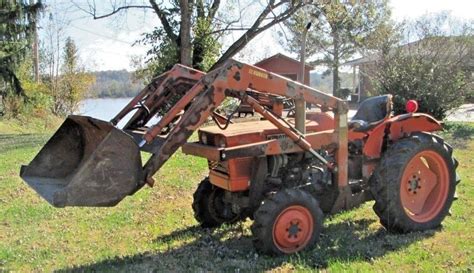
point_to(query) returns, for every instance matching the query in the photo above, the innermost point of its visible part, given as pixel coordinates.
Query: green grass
(155, 229)
(29, 124)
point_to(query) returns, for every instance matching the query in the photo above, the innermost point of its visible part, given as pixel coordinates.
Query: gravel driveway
(463, 113)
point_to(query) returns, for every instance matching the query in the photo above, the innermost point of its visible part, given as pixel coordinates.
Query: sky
(106, 44)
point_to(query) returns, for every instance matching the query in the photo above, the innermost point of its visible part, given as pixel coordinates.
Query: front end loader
(266, 169)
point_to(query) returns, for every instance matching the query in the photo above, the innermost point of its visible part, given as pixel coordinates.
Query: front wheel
(287, 222)
(414, 184)
(209, 207)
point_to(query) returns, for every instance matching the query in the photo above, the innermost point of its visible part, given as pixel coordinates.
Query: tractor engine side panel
(232, 175)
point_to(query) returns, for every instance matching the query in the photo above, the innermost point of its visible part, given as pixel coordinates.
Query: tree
(340, 29)
(51, 58)
(17, 24)
(431, 63)
(190, 29)
(114, 83)
(74, 81)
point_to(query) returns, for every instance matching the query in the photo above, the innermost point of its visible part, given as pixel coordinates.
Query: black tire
(387, 190)
(271, 210)
(209, 209)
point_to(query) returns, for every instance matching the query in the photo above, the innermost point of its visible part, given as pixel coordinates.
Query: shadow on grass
(10, 142)
(230, 249)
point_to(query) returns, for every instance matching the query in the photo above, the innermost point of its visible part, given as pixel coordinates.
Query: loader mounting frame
(206, 93)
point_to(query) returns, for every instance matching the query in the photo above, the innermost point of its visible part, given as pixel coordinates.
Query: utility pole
(35, 46)
(300, 104)
(36, 54)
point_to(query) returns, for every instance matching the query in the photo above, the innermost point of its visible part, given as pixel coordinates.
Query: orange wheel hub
(425, 185)
(293, 229)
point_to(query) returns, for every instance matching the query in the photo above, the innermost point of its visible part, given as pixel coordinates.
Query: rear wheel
(287, 222)
(414, 184)
(209, 207)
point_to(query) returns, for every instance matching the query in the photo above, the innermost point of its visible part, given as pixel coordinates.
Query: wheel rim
(425, 185)
(293, 229)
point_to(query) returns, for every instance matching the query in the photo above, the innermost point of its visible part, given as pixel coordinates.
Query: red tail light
(411, 106)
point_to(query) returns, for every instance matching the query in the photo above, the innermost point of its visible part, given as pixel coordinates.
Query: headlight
(222, 142)
(204, 139)
(219, 141)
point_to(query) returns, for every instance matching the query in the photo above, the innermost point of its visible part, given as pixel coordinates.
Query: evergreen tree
(339, 29)
(74, 81)
(17, 26)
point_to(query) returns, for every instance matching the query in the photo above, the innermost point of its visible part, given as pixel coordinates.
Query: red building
(285, 66)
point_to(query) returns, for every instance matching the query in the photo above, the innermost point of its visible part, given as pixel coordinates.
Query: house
(447, 48)
(363, 86)
(285, 66)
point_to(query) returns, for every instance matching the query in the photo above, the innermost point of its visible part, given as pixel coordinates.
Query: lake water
(104, 109)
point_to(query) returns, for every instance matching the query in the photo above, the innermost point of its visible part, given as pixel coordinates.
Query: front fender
(398, 127)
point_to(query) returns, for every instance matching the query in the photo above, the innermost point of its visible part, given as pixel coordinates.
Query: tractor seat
(371, 112)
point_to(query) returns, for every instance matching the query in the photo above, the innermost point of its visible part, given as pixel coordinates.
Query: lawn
(155, 228)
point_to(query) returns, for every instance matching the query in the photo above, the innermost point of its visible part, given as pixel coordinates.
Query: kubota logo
(258, 73)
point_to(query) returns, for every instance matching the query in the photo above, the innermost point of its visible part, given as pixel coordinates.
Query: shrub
(435, 70)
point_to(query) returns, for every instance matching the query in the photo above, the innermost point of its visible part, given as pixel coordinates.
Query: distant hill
(120, 83)
(115, 84)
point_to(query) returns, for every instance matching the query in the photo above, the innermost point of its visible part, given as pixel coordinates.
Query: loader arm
(156, 96)
(89, 162)
(235, 79)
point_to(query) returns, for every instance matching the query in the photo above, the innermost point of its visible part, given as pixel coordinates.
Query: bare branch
(92, 10)
(213, 10)
(228, 28)
(164, 21)
(255, 29)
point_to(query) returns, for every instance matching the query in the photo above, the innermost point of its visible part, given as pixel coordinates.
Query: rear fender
(398, 127)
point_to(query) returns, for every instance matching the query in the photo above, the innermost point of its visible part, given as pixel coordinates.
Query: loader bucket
(87, 162)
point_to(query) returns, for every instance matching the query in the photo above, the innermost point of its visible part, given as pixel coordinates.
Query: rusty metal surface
(150, 88)
(173, 112)
(193, 117)
(210, 90)
(293, 134)
(201, 150)
(157, 95)
(264, 127)
(282, 145)
(397, 127)
(150, 147)
(240, 76)
(87, 162)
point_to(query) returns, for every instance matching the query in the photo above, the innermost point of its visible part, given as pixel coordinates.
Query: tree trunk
(185, 33)
(335, 68)
(10, 76)
(335, 78)
(235, 48)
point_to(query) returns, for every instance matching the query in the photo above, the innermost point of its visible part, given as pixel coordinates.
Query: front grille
(218, 166)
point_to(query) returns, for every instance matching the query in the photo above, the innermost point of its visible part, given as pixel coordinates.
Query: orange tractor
(284, 173)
